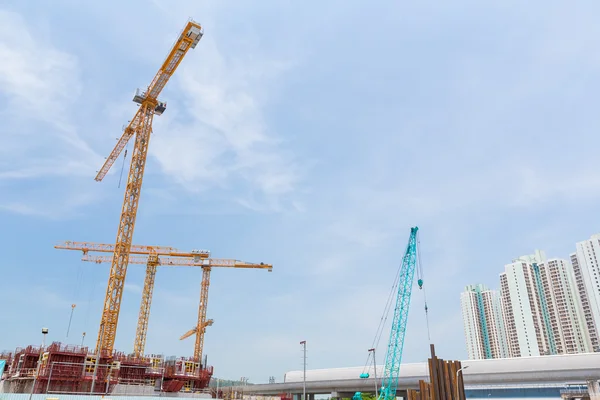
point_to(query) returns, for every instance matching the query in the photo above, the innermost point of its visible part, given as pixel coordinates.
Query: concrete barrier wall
(25, 396)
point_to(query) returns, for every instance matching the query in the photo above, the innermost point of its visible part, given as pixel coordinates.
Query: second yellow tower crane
(153, 257)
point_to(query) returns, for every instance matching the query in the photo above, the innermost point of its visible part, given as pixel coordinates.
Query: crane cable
(92, 285)
(389, 302)
(75, 294)
(123, 165)
(385, 315)
(420, 280)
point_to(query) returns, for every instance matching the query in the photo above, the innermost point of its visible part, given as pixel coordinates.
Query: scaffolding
(186, 374)
(73, 369)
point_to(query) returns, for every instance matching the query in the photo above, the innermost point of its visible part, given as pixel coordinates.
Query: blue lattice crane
(393, 357)
(403, 283)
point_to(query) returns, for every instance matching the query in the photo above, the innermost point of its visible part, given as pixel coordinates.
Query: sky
(309, 135)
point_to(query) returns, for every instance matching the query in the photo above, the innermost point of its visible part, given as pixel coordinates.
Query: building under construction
(61, 368)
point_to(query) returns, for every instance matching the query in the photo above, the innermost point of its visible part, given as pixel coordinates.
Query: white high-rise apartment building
(565, 321)
(542, 310)
(522, 307)
(586, 266)
(485, 334)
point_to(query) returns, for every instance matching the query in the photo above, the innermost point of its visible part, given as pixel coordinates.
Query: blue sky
(310, 135)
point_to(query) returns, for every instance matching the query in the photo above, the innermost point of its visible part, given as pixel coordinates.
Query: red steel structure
(65, 369)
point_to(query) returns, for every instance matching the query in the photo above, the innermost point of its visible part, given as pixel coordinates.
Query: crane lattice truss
(153, 257)
(393, 357)
(200, 328)
(141, 127)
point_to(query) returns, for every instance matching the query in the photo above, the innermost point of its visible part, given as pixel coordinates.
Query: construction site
(56, 368)
(69, 369)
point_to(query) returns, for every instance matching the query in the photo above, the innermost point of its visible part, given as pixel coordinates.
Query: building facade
(523, 307)
(542, 308)
(567, 330)
(586, 268)
(485, 334)
(545, 306)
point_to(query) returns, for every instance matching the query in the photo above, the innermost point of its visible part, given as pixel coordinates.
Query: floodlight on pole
(37, 371)
(374, 370)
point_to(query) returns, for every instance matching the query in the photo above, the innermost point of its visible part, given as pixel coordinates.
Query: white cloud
(39, 81)
(40, 85)
(227, 139)
(51, 201)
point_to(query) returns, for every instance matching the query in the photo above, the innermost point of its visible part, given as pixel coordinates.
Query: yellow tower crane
(165, 256)
(152, 262)
(141, 127)
(200, 328)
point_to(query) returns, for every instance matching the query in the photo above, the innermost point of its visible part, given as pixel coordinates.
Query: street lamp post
(374, 370)
(303, 343)
(98, 354)
(37, 371)
(244, 382)
(49, 377)
(457, 385)
(162, 377)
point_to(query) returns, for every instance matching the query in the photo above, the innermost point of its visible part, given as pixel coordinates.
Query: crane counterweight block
(140, 97)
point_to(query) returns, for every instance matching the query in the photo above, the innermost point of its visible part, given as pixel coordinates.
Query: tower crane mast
(202, 322)
(141, 127)
(393, 357)
(200, 329)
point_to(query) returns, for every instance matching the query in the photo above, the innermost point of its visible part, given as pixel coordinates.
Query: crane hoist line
(140, 127)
